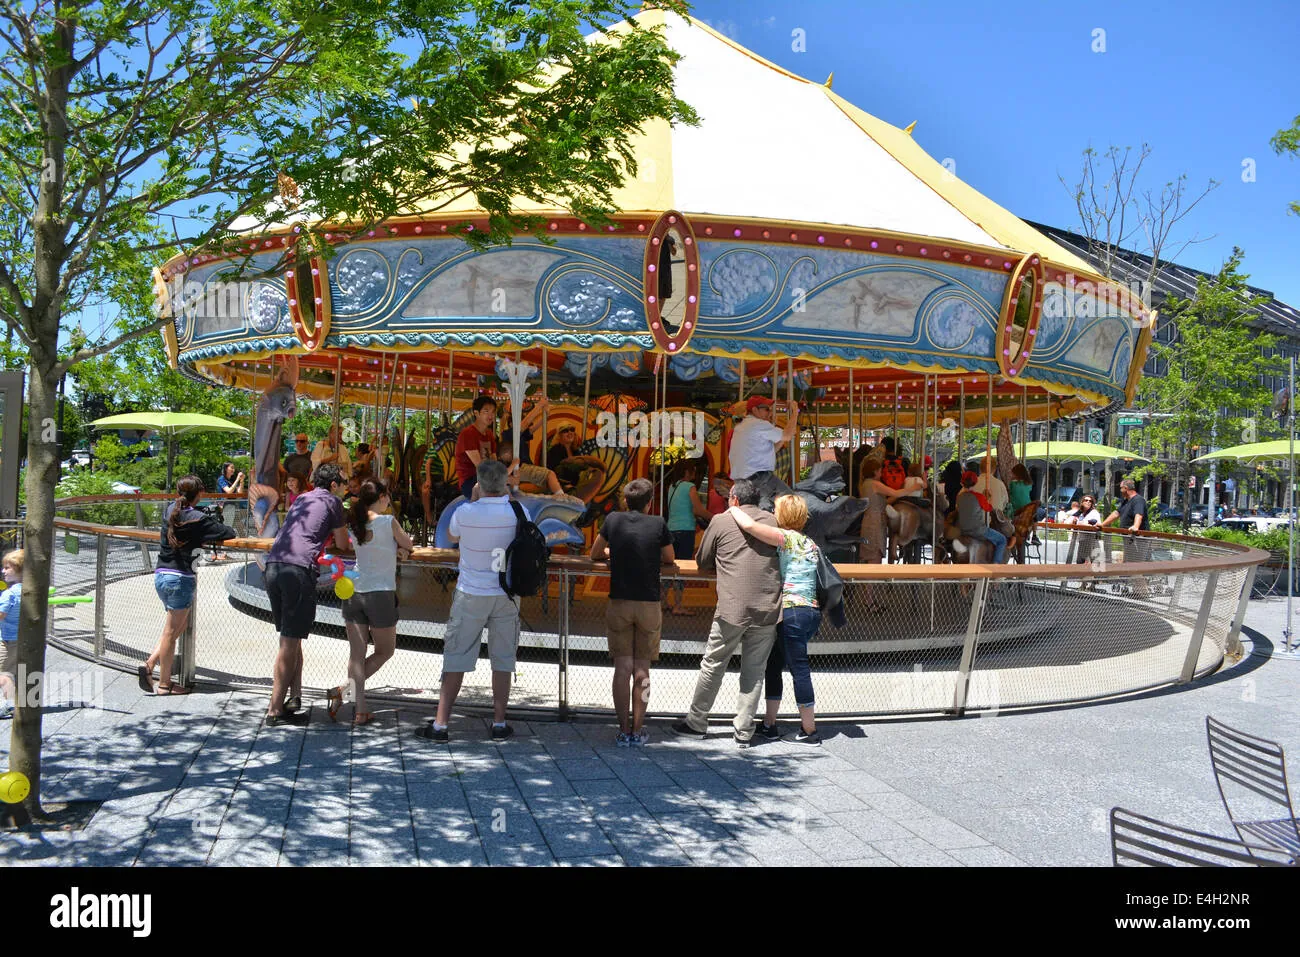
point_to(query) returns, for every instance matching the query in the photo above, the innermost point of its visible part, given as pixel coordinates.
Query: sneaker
(6, 711)
(500, 734)
(684, 729)
(769, 731)
(808, 740)
(743, 742)
(276, 720)
(639, 739)
(624, 740)
(430, 733)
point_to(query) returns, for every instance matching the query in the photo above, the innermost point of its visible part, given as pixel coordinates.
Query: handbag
(830, 591)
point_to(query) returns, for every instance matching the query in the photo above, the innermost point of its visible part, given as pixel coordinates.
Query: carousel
(790, 246)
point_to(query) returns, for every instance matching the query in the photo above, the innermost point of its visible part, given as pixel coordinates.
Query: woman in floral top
(800, 616)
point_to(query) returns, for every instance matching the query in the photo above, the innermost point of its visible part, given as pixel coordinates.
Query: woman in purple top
(291, 582)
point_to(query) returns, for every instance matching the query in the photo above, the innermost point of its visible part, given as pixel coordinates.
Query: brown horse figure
(911, 521)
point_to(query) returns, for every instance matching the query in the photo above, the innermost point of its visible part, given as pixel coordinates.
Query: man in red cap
(755, 440)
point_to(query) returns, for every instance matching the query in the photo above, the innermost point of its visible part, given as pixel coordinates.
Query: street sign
(1129, 420)
(1094, 436)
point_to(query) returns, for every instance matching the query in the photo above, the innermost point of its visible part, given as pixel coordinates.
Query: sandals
(362, 717)
(171, 690)
(334, 697)
(293, 705)
(146, 679)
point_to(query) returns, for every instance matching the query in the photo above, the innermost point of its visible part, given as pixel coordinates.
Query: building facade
(1241, 486)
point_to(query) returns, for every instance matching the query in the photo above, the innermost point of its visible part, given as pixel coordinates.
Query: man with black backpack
(499, 558)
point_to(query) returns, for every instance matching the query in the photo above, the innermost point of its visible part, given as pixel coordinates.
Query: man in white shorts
(484, 529)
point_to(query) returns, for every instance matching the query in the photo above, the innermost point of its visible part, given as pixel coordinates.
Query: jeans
(684, 545)
(175, 591)
(997, 540)
(798, 626)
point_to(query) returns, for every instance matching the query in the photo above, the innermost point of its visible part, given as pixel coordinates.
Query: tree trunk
(38, 544)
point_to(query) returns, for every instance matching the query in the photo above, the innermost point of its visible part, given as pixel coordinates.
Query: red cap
(969, 478)
(754, 401)
(928, 461)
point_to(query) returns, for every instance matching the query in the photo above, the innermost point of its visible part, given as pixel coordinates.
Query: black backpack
(524, 571)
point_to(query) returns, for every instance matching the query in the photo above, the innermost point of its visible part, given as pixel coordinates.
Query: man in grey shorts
(484, 530)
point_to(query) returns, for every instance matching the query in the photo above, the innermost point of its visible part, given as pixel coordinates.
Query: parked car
(1199, 515)
(1058, 502)
(79, 459)
(121, 488)
(1168, 513)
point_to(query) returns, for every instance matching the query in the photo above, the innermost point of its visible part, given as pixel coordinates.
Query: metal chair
(1140, 841)
(1250, 764)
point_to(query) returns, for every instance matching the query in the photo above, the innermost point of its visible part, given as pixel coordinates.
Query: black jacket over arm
(195, 529)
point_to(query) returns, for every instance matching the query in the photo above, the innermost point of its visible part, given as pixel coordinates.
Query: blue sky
(1206, 84)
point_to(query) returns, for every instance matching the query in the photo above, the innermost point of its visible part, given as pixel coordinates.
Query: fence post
(185, 651)
(1198, 632)
(968, 649)
(562, 652)
(101, 569)
(144, 546)
(1233, 644)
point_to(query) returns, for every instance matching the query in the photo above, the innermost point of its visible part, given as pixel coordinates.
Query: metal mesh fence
(909, 646)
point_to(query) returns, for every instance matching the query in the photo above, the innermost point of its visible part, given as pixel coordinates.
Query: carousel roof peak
(775, 145)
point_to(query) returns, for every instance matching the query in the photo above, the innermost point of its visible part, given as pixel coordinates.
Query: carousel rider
(753, 448)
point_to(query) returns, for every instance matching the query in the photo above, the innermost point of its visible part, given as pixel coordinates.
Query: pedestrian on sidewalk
(370, 613)
(800, 614)
(184, 530)
(484, 530)
(10, 603)
(315, 518)
(636, 544)
(749, 605)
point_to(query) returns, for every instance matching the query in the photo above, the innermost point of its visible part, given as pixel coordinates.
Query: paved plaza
(200, 780)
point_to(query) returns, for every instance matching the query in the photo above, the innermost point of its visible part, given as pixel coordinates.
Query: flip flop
(171, 690)
(362, 717)
(146, 679)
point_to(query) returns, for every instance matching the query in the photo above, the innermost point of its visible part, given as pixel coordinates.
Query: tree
(129, 132)
(1128, 227)
(1214, 367)
(1288, 141)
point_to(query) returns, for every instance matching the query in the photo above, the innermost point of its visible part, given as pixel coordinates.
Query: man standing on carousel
(753, 448)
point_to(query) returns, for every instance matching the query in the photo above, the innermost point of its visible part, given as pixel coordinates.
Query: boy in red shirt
(476, 443)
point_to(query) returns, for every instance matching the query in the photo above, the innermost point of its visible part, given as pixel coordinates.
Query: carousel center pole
(893, 431)
(428, 412)
(403, 397)
(586, 402)
(848, 428)
(961, 425)
(545, 405)
(794, 441)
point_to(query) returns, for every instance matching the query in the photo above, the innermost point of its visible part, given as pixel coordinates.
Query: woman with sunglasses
(1082, 513)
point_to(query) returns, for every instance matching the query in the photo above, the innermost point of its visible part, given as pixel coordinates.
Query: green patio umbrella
(171, 425)
(1076, 452)
(1276, 451)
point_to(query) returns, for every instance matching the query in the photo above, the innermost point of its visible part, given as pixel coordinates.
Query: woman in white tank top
(370, 614)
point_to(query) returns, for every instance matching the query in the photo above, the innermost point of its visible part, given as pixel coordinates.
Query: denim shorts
(176, 591)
